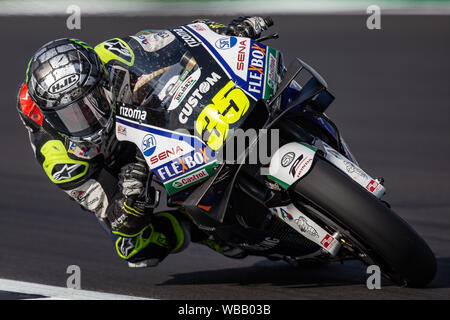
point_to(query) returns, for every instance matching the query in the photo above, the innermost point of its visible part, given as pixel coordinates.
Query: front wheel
(366, 224)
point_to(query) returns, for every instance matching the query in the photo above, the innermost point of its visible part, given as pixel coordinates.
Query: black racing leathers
(89, 174)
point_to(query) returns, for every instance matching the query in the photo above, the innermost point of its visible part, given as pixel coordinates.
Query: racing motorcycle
(310, 201)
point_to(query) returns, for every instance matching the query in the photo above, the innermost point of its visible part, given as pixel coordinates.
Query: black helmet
(65, 78)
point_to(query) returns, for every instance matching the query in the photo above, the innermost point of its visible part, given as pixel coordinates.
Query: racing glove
(215, 26)
(250, 27)
(130, 214)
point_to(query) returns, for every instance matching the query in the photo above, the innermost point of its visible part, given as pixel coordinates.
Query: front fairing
(179, 103)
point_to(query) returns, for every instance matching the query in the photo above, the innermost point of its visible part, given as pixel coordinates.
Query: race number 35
(227, 107)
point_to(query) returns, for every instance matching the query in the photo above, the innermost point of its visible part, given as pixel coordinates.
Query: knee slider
(178, 230)
(148, 244)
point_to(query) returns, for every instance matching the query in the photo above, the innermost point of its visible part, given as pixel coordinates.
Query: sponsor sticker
(133, 113)
(181, 91)
(85, 152)
(64, 84)
(295, 165)
(187, 38)
(154, 41)
(285, 215)
(300, 166)
(225, 43)
(327, 241)
(184, 164)
(304, 167)
(148, 144)
(271, 73)
(190, 179)
(305, 227)
(166, 155)
(256, 69)
(122, 130)
(199, 27)
(242, 57)
(187, 180)
(78, 195)
(193, 100)
(372, 186)
(90, 195)
(287, 159)
(355, 171)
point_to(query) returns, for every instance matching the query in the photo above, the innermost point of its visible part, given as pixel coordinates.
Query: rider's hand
(126, 219)
(215, 26)
(250, 27)
(129, 215)
(132, 179)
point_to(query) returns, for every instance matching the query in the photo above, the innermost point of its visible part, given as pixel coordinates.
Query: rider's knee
(168, 233)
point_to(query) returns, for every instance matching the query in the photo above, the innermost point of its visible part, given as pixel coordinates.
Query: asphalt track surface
(393, 101)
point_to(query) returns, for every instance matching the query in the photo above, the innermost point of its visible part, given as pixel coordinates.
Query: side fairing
(179, 160)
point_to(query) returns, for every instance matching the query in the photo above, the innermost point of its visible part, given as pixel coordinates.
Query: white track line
(60, 293)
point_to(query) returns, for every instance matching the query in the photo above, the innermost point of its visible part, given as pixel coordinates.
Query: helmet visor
(83, 117)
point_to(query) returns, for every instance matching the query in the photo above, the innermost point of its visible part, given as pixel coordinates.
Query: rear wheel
(373, 231)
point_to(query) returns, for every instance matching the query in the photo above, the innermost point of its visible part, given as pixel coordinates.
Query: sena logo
(64, 84)
(168, 154)
(133, 113)
(241, 55)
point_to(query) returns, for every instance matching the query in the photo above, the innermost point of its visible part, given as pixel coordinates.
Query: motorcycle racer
(67, 103)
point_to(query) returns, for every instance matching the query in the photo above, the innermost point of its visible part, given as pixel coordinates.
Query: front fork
(308, 228)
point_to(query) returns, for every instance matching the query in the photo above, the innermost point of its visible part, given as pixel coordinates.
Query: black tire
(401, 253)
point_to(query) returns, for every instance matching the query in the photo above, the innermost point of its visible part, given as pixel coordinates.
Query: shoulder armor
(58, 166)
(115, 49)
